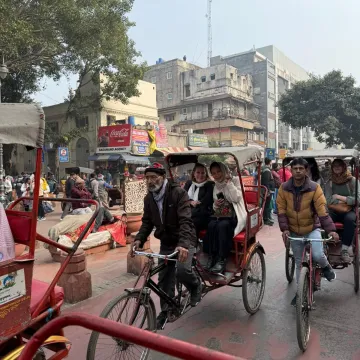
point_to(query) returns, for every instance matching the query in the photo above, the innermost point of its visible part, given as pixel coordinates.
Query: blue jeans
(297, 247)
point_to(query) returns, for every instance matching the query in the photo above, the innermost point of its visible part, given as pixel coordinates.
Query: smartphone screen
(220, 195)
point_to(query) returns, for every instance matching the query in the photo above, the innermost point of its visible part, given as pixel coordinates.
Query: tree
(329, 105)
(55, 38)
(86, 37)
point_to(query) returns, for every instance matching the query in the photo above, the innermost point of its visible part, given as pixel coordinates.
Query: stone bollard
(76, 280)
(135, 264)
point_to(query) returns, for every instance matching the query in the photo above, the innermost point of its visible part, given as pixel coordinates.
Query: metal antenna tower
(209, 31)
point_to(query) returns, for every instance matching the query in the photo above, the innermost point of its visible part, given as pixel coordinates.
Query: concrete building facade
(217, 101)
(272, 73)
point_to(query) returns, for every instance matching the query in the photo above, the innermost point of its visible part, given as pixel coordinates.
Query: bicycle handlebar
(309, 240)
(158, 256)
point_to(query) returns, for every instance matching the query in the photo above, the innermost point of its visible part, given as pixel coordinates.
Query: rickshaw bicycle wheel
(303, 303)
(289, 265)
(253, 281)
(356, 268)
(121, 309)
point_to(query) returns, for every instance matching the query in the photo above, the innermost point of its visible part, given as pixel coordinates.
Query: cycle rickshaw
(26, 304)
(245, 269)
(311, 274)
(31, 324)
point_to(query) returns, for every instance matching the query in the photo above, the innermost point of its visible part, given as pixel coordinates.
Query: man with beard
(167, 208)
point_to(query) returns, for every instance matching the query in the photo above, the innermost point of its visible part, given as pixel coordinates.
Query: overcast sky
(319, 35)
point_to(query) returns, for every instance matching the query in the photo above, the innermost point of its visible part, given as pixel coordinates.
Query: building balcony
(219, 92)
(209, 123)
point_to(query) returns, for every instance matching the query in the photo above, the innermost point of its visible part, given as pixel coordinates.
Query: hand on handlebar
(285, 236)
(135, 246)
(183, 254)
(335, 236)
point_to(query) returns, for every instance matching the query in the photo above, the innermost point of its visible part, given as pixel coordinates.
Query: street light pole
(3, 73)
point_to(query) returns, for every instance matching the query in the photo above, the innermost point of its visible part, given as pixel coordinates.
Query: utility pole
(209, 25)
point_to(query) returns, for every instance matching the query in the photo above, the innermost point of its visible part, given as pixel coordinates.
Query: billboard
(198, 140)
(115, 138)
(161, 136)
(63, 154)
(140, 142)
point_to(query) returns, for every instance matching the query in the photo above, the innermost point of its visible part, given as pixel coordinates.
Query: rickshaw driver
(301, 209)
(167, 208)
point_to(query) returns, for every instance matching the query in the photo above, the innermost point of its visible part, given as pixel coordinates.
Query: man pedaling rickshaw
(167, 208)
(301, 210)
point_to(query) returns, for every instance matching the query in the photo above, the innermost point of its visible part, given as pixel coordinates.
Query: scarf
(226, 172)
(159, 198)
(342, 178)
(193, 191)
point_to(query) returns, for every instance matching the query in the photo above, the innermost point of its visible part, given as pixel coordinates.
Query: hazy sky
(319, 35)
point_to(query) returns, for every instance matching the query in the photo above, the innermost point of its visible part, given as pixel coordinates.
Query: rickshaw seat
(240, 237)
(251, 197)
(38, 290)
(20, 225)
(339, 226)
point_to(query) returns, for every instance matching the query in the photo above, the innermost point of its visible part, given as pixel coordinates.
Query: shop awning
(170, 150)
(128, 158)
(132, 159)
(104, 157)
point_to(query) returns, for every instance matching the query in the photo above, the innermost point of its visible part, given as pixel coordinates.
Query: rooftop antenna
(208, 15)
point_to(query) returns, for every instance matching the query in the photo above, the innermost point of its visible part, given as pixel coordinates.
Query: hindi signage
(198, 140)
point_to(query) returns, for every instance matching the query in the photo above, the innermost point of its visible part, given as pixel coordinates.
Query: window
(169, 117)
(169, 75)
(212, 77)
(169, 96)
(184, 111)
(203, 78)
(187, 90)
(153, 79)
(305, 146)
(110, 119)
(82, 122)
(231, 76)
(210, 110)
(53, 127)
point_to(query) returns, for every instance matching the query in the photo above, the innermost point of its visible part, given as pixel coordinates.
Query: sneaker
(293, 301)
(161, 320)
(195, 295)
(345, 257)
(329, 273)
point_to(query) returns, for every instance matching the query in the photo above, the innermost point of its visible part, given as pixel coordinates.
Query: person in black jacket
(167, 208)
(268, 181)
(200, 191)
(70, 183)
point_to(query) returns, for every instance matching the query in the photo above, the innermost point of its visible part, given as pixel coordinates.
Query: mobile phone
(220, 195)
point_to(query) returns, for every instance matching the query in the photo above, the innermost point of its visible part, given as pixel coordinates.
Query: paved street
(220, 321)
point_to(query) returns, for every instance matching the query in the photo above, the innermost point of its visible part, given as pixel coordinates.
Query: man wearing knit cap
(167, 209)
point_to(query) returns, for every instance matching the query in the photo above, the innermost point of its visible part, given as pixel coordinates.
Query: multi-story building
(272, 73)
(140, 109)
(216, 101)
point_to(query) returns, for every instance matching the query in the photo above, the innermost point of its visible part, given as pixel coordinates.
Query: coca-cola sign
(115, 138)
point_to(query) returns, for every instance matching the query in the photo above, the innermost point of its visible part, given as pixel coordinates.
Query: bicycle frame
(309, 262)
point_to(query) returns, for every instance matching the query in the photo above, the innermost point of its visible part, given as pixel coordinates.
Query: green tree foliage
(85, 37)
(329, 105)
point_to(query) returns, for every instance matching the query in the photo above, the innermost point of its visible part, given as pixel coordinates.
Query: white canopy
(243, 154)
(22, 124)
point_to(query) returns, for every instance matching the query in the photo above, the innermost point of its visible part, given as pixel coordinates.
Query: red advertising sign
(114, 138)
(161, 136)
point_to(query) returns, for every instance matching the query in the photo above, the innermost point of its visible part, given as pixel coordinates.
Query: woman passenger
(340, 196)
(200, 191)
(229, 217)
(314, 172)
